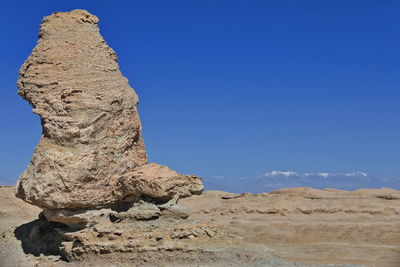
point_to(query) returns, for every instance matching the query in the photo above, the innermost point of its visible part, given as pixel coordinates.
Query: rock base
(146, 234)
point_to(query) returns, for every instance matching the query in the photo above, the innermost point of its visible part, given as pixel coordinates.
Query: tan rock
(368, 236)
(91, 153)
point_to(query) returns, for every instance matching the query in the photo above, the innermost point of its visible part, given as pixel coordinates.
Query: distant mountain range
(283, 179)
(4, 181)
(321, 174)
(274, 180)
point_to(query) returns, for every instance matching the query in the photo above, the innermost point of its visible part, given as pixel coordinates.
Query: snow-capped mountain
(274, 180)
(279, 173)
(321, 174)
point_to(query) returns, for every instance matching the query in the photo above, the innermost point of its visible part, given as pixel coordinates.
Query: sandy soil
(301, 225)
(312, 226)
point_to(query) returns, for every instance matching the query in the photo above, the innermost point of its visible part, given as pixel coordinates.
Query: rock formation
(104, 205)
(303, 225)
(102, 202)
(91, 153)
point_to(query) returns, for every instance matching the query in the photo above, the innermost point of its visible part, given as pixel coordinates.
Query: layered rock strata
(302, 225)
(91, 153)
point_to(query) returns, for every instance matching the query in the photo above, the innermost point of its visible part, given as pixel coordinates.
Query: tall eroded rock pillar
(91, 152)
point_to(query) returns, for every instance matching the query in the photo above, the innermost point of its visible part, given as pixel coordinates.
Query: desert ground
(302, 225)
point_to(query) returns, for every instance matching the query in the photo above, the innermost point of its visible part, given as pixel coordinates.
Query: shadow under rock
(41, 237)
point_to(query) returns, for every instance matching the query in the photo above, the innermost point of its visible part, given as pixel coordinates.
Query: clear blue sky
(236, 87)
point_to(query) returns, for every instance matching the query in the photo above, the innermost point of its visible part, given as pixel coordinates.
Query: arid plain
(302, 225)
(99, 202)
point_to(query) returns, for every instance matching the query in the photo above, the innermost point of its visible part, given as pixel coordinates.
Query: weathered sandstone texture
(91, 153)
(303, 225)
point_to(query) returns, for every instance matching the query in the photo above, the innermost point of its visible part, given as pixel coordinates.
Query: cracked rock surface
(91, 152)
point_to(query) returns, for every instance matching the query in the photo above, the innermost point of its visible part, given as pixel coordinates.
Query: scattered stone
(142, 211)
(176, 211)
(173, 201)
(79, 218)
